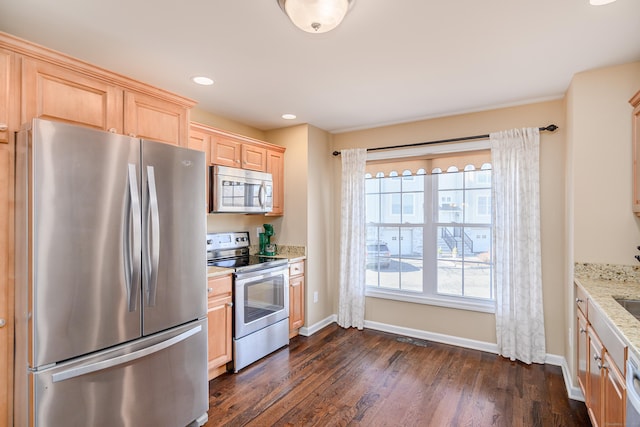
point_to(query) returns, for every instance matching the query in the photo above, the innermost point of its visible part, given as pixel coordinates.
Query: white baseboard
(432, 336)
(573, 391)
(307, 331)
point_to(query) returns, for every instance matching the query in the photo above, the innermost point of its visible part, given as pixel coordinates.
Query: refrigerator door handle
(126, 358)
(132, 222)
(153, 238)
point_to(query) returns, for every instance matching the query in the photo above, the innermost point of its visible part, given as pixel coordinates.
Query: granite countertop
(603, 283)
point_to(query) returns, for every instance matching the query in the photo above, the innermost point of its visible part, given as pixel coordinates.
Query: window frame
(429, 293)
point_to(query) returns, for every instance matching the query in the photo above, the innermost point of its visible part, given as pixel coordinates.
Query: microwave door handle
(131, 237)
(262, 194)
(153, 238)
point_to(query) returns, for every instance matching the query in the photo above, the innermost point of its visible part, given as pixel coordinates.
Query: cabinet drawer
(610, 339)
(581, 299)
(296, 268)
(217, 286)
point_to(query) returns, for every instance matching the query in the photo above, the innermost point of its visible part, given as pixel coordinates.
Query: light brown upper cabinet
(151, 118)
(56, 93)
(275, 166)
(635, 117)
(237, 152)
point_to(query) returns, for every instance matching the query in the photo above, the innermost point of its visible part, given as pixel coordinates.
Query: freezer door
(159, 380)
(174, 256)
(84, 293)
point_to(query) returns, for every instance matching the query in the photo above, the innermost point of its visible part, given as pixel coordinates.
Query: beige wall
(321, 246)
(469, 324)
(600, 226)
(308, 207)
(201, 116)
(604, 228)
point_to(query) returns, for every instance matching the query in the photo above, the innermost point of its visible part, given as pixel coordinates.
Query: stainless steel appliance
(110, 280)
(633, 391)
(233, 190)
(260, 294)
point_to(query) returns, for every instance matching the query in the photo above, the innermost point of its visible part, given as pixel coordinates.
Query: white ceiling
(389, 61)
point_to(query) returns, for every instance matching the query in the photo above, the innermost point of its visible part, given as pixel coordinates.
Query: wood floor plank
(341, 377)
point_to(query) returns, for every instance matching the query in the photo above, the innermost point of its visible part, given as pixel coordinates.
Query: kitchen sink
(631, 305)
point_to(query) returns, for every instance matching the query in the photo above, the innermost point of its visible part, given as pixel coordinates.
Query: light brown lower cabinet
(220, 318)
(594, 379)
(614, 389)
(296, 297)
(601, 357)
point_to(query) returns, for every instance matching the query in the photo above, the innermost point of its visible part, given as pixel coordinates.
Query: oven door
(261, 299)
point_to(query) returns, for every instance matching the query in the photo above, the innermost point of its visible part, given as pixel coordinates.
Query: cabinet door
(53, 92)
(225, 152)
(582, 352)
(275, 166)
(254, 157)
(594, 379)
(9, 96)
(155, 119)
(296, 304)
(6, 285)
(614, 394)
(201, 141)
(219, 315)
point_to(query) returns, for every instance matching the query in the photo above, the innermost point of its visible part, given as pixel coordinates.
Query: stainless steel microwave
(233, 190)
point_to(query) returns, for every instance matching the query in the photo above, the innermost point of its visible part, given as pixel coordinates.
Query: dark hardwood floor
(340, 377)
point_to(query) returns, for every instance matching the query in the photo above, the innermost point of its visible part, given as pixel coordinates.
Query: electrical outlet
(258, 231)
(315, 296)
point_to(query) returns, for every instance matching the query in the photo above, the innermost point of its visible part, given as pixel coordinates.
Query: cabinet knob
(583, 330)
(596, 358)
(2, 323)
(579, 301)
(229, 304)
(132, 135)
(209, 290)
(3, 127)
(112, 130)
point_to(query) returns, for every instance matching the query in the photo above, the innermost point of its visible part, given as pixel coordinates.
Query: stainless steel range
(260, 297)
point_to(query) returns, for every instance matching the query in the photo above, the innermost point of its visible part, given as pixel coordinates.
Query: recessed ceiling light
(201, 80)
(600, 2)
(288, 116)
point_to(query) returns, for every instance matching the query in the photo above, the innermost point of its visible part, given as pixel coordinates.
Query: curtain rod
(550, 128)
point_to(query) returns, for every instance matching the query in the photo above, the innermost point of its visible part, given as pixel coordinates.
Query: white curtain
(516, 225)
(352, 244)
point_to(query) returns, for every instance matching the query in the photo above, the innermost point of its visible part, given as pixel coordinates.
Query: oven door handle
(262, 274)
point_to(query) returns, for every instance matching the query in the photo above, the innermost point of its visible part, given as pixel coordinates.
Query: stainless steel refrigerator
(110, 280)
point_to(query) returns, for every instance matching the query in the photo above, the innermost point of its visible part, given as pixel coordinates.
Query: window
(429, 237)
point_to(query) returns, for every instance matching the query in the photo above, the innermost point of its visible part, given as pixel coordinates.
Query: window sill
(460, 304)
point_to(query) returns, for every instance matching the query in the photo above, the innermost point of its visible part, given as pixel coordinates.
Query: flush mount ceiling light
(600, 2)
(289, 116)
(316, 16)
